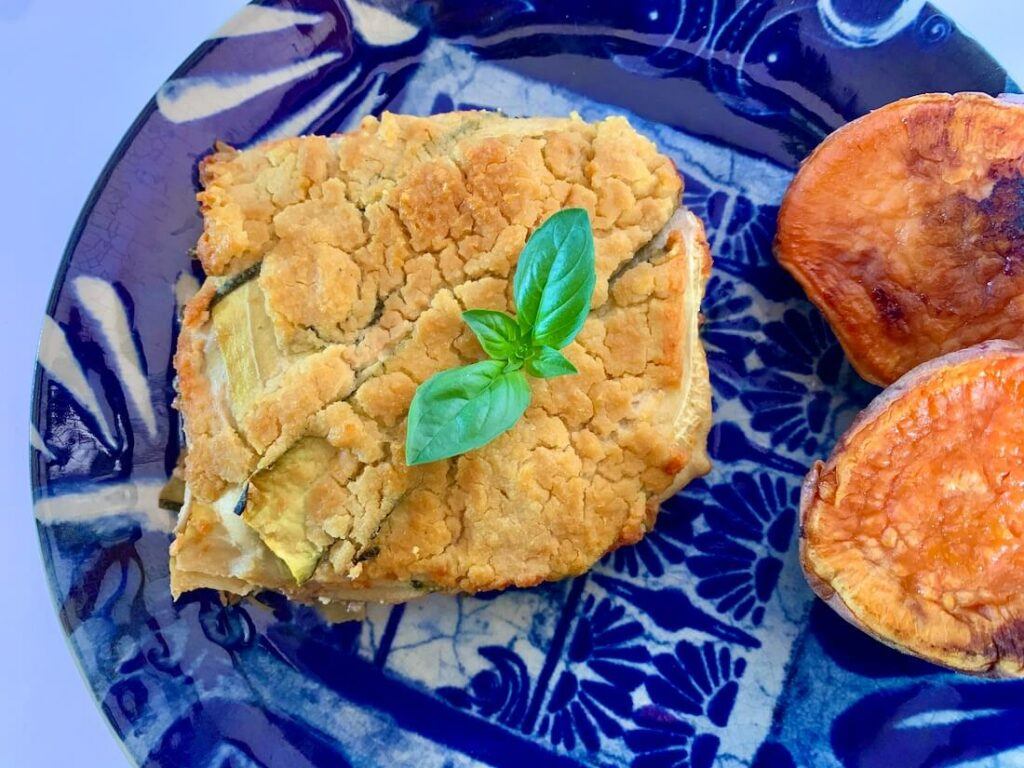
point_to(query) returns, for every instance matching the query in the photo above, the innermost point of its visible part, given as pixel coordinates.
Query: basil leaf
(461, 409)
(497, 333)
(555, 279)
(546, 363)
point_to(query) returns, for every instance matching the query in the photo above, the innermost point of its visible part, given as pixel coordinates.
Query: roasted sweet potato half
(906, 228)
(914, 528)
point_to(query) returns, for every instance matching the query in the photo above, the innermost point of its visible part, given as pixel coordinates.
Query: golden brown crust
(911, 530)
(365, 271)
(903, 227)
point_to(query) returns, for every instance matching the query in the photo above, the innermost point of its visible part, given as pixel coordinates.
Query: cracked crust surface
(369, 245)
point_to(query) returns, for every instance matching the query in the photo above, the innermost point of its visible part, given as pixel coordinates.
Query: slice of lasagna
(337, 271)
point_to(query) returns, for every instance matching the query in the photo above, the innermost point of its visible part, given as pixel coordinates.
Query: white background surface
(67, 93)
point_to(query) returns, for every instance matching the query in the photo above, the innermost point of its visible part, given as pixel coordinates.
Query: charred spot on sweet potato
(906, 227)
(914, 528)
(889, 308)
(1009, 640)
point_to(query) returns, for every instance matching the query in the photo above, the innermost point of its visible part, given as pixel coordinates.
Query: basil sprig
(462, 409)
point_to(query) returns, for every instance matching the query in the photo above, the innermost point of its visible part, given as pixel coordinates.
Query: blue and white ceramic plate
(701, 646)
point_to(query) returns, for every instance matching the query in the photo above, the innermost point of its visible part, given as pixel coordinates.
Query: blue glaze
(701, 645)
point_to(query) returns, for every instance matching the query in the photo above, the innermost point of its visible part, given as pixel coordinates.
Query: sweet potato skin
(906, 228)
(913, 530)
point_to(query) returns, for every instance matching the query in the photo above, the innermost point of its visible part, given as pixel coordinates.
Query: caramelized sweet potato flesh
(906, 228)
(914, 528)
